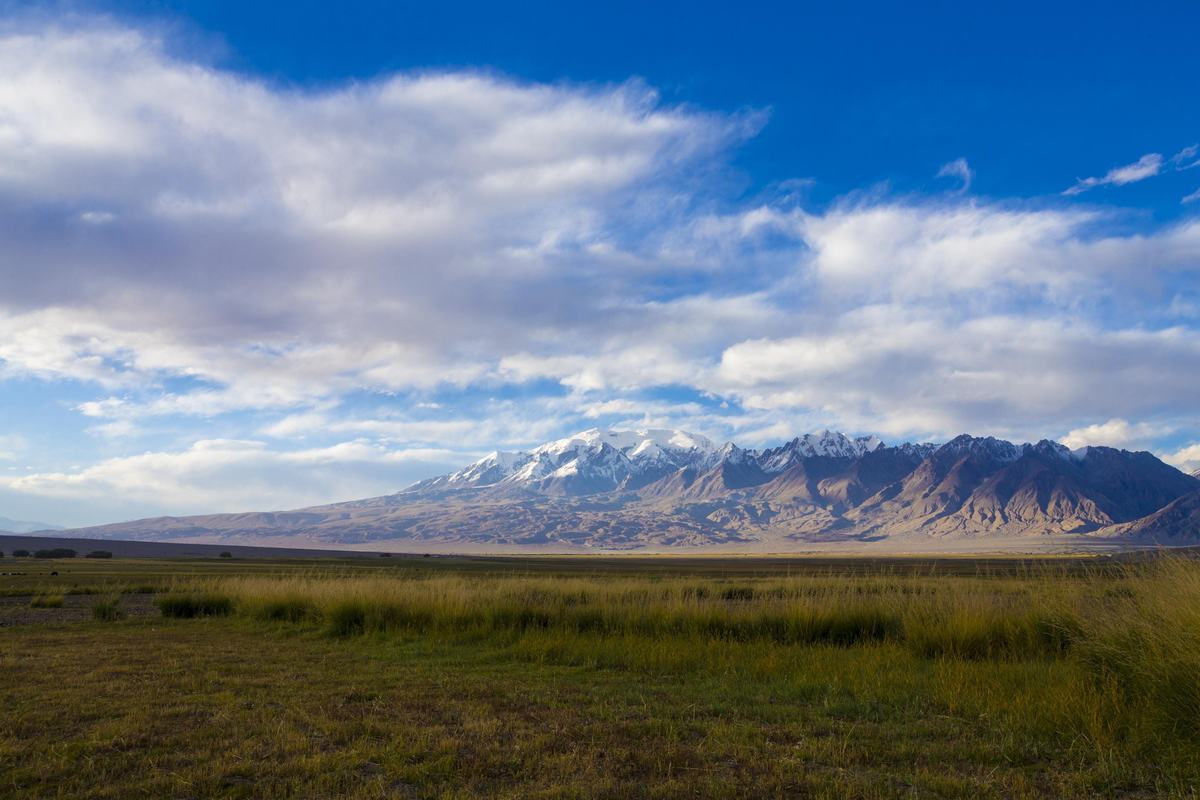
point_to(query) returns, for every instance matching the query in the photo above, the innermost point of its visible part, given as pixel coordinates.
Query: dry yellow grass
(1064, 681)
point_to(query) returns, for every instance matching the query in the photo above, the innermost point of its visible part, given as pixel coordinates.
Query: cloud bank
(382, 272)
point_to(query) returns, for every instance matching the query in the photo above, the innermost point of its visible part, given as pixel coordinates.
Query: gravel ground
(16, 610)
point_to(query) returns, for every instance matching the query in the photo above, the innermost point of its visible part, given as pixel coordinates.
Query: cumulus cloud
(1147, 166)
(1186, 458)
(283, 246)
(1116, 433)
(456, 261)
(1008, 375)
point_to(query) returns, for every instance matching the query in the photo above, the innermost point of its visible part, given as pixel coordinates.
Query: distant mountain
(1178, 522)
(18, 526)
(972, 486)
(619, 490)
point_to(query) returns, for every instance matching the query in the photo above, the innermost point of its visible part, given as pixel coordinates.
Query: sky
(258, 259)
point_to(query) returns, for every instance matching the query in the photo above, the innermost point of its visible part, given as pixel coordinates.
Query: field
(459, 677)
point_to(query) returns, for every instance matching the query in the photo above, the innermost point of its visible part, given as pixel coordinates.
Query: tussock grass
(1145, 637)
(195, 604)
(140, 588)
(1048, 679)
(1130, 637)
(108, 610)
(47, 601)
(968, 619)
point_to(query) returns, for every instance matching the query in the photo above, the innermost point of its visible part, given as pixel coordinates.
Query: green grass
(1044, 679)
(108, 610)
(970, 618)
(47, 601)
(194, 604)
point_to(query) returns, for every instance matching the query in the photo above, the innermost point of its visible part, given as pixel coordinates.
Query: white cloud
(1191, 198)
(983, 254)
(117, 429)
(209, 244)
(297, 426)
(1147, 166)
(958, 168)
(284, 247)
(1186, 158)
(897, 370)
(629, 367)
(97, 217)
(1186, 458)
(1116, 433)
(230, 474)
(466, 433)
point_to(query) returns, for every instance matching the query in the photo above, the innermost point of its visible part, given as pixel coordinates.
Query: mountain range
(24, 526)
(604, 490)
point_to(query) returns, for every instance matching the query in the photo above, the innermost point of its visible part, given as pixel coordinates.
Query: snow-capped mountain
(592, 460)
(919, 450)
(822, 443)
(598, 460)
(607, 489)
(982, 447)
(604, 460)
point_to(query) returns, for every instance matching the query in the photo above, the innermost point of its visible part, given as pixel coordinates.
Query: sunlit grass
(1132, 637)
(47, 601)
(1076, 682)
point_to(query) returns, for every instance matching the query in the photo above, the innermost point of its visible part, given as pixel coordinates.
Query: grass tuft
(108, 610)
(199, 604)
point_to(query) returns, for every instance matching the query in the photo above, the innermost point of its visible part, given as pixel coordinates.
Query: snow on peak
(623, 457)
(648, 443)
(997, 449)
(729, 453)
(492, 468)
(642, 446)
(821, 443)
(1053, 449)
(613, 453)
(921, 450)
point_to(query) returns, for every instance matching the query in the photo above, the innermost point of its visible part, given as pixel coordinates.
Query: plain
(617, 677)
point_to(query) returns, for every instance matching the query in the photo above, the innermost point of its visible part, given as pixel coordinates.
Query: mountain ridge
(625, 490)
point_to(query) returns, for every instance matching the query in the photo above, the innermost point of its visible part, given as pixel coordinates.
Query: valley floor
(288, 694)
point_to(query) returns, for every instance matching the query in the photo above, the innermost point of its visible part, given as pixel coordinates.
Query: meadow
(614, 677)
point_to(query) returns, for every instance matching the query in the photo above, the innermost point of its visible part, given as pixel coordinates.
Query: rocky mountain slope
(618, 490)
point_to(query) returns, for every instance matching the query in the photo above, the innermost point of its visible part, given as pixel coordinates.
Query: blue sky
(259, 260)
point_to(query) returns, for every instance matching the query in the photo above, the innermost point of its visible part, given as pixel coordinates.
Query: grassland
(601, 678)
